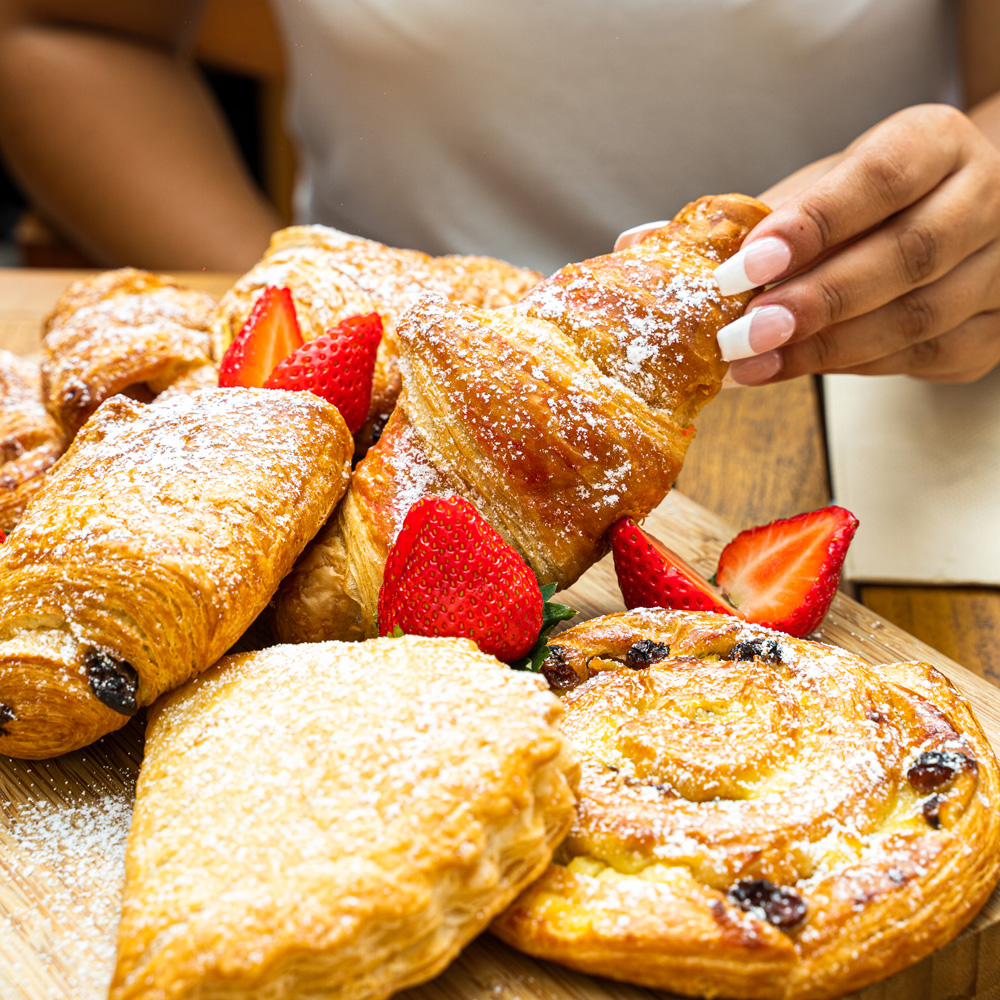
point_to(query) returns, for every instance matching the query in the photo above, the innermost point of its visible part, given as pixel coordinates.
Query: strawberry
(270, 333)
(652, 576)
(337, 367)
(449, 573)
(784, 574)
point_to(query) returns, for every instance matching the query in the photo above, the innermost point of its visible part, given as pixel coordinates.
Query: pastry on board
(333, 275)
(555, 417)
(127, 331)
(758, 816)
(30, 440)
(335, 819)
(153, 544)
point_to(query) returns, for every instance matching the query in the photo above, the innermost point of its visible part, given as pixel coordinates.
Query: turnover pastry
(124, 331)
(758, 816)
(30, 440)
(333, 275)
(157, 539)
(555, 417)
(335, 820)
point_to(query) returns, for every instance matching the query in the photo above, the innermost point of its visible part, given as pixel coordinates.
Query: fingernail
(756, 264)
(636, 233)
(753, 371)
(756, 331)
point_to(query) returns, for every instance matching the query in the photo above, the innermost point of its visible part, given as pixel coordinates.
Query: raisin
(763, 648)
(645, 653)
(114, 682)
(932, 811)
(557, 671)
(6, 715)
(935, 768)
(777, 905)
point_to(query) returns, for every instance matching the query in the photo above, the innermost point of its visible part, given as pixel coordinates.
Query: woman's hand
(888, 258)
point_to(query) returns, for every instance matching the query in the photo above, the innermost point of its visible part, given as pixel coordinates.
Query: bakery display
(555, 417)
(158, 538)
(125, 331)
(334, 275)
(335, 820)
(758, 816)
(30, 440)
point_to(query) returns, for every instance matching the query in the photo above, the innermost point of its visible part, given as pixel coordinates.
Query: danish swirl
(758, 816)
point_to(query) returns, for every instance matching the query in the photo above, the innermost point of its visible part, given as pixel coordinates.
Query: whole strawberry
(652, 576)
(270, 333)
(338, 367)
(449, 573)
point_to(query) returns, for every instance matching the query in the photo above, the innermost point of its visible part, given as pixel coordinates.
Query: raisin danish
(124, 331)
(333, 275)
(555, 416)
(30, 441)
(335, 820)
(758, 816)
(155, 541)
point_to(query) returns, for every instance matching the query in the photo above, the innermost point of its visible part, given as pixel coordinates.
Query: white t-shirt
(536, 130)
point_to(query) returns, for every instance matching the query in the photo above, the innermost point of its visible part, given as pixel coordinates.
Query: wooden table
(759, 455)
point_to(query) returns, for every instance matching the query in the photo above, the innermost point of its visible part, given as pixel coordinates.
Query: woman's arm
(112, 133)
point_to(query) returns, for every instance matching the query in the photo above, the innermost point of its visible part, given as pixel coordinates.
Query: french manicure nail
(756, 331)
(633, 235)
(756, 264)
(753, 371)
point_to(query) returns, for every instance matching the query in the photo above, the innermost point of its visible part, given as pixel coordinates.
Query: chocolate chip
(644, 653)
(932, 811)
(765, 649)
(6, 715)
(777, 905)
(113, 681)
(935, 768)
(557, 671)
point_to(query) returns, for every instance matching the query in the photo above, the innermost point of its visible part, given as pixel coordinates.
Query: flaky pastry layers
(30, 440)
(335, 820)
(758, 816)
(334, 275)
(555, 416)
(124, 331)
(155, 541)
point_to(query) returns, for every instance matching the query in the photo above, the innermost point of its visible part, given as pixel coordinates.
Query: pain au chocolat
(555, 416)
(335, 820)
(154, 542)
(758, 816)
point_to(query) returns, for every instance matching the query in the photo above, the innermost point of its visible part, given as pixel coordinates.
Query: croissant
(335, 820)
(124, 331)
(758, 816)
(30, 441)
(555, 416)
(333, 275)
(157, 539)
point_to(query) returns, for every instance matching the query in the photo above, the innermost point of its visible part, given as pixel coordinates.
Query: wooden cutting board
(63, 826)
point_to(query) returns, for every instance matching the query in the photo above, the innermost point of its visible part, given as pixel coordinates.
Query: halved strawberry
(449, 573)
(337, 367)
(784, 574)
(270, 333)
(652, 576)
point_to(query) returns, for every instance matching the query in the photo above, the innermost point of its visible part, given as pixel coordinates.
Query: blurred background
(239, 52)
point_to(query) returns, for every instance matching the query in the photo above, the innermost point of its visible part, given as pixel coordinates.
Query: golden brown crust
(30, 441)
(335, 820)
(759, 816)
(333, 275)
(157, 539)
(125, 331)
(555, 416)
